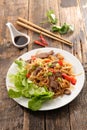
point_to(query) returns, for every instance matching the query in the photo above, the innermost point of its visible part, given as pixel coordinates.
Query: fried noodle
(47, 72)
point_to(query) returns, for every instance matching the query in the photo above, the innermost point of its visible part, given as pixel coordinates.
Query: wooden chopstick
(27, 24)
(42, 29)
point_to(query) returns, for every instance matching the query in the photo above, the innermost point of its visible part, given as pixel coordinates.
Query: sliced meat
(51, 78)
(54, 64)
(51, 52)
(28, 61)
(38, 69)
(67, 92)
(44, 54)
(53, 85)
(58, 74)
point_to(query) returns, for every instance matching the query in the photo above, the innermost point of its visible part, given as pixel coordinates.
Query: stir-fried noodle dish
(51, 71)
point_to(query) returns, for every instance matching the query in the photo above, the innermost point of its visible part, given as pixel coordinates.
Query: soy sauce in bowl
(20, 40)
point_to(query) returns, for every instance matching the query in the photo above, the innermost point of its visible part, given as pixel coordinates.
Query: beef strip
(67, 92)
(58, 74)
(51, 52)
(51, 78)
(53, 85)
(28, 61)
(44, 54)
(37, 70)
(54, 64)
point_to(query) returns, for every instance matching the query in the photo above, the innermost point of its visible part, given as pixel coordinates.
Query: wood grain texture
(77, 120)
(58, 119)
(78, 110)
(11, 114)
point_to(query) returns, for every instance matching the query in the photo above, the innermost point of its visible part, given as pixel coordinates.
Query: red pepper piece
(51, 70)
(28, 75)
(60, 62)
(43, 40)
(33, 57)
(39, 43)
(73, 80)
(47, 60)
(69, 78)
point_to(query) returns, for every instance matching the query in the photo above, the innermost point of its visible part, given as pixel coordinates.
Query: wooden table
(15, 117)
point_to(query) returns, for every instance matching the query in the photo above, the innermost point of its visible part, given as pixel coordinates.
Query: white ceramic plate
(59, 101)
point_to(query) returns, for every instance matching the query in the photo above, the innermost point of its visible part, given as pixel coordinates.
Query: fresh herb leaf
(56, 28)
(71, 28)
(51, 17)
(65, 28)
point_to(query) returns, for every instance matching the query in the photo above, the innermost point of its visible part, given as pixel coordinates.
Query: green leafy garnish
(65, 28)
(51, 17)
(26, 88)
(20, 63)
(36, 102)
(14, 94)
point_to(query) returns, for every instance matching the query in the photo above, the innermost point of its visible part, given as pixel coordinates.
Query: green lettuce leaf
(14, 94)
(26, 88)
(36, 102)
(21, 63)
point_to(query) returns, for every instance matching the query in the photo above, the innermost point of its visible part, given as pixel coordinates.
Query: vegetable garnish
(26, 88)
(69, 78)
(65, 28)
(28, 75)
(60, 62)
(47, 60)
(33, 57)
(51, 17)
(51, 70)
(50, 73)
(59, 79)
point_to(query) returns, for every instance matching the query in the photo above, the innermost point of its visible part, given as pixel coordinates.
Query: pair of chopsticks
(28, 25)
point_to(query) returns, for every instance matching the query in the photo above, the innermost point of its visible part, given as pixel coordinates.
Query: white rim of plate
(59, 101)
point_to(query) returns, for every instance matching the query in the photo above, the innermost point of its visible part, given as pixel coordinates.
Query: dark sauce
(20, 40)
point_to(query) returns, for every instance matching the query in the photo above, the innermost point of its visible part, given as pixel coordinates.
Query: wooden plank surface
(11, 114)
(69, 117)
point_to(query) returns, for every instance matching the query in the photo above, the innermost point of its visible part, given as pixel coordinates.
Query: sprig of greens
(65, 28)
(26, 88)
(51, 17)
